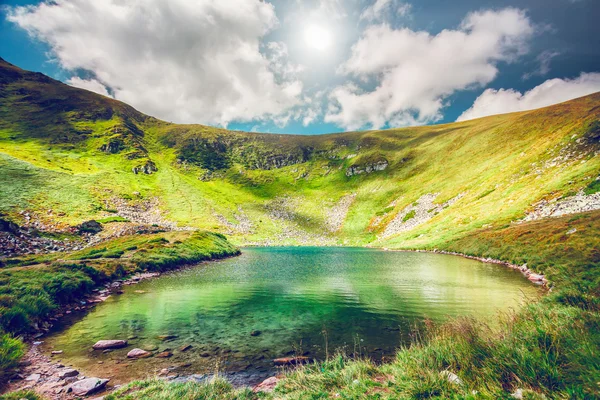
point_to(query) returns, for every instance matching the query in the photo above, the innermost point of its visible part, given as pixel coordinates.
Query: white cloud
(89, 84)
(181, 60)
(380, 8)
(552, 91)
(414, 72)
(544, 60)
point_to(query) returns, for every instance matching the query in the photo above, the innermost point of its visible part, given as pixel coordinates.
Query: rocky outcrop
(109, 344)
(19, 240)
(113, 146)
(417, 213)
(367, 168)
(147, 168)
(91, 226)
(563, 206)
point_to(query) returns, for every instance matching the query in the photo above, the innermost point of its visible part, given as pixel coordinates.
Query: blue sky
(312, 67)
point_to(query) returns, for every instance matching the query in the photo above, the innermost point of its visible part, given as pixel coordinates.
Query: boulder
(91, 226)
(87, 386)
(267, 386)
(185, 347)
(109, 344)
(33, 378)
(67, 373)
(291, 360)
(138, 353)
(164, 354)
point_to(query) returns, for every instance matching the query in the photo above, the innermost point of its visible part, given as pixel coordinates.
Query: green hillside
(75, 152)
(521, 187)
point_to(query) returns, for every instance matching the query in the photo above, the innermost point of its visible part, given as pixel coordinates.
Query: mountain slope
(84, 156)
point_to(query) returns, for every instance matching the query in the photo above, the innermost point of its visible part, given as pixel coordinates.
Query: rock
(205, 354)
(113, 146)
(87, 386)
(368, 168)
(56, 352)
(33, 378)
(536, 277)
(255, 333)
(91, 226)
(167, 337)
(109, 344)
(185, 347)
(148, 168)
(291, 360)
(267, 386)
(451, 377)
(138, 353)
(164, 354)
(518, 394)
(67, 373)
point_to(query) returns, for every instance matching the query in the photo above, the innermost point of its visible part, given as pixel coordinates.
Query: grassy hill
(75, 152)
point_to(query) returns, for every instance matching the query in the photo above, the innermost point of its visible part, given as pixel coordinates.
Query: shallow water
(302, 300)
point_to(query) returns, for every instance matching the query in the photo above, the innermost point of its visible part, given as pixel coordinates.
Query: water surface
(296, 301)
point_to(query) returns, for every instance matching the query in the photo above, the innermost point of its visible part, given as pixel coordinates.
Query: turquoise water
(302, 301)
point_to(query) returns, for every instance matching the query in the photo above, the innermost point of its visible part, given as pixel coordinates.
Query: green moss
(593, 187)
(409, 215)
(108, 220)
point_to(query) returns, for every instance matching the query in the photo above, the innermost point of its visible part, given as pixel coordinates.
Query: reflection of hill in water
(358, 299)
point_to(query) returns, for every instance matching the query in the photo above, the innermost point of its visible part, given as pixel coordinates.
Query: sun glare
(317, 37)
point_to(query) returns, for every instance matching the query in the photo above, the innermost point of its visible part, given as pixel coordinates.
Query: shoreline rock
(109, 344)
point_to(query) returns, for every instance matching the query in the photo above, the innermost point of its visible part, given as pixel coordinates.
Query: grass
(20, 395)
(161, 390)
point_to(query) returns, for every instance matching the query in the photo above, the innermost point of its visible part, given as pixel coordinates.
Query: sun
(317, 37)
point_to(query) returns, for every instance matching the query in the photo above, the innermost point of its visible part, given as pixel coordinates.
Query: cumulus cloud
(89, 84)
(550, 92)
(380, 8)
(181, 60)
(413, 71)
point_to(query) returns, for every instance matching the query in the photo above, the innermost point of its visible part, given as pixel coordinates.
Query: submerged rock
(109, 344)
(167, 337)
(87, 386)
(185, 347)
(255, 333)
(138, 353)
(164, 354)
